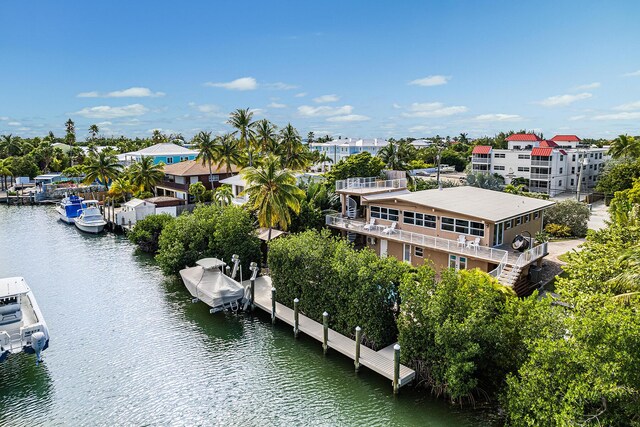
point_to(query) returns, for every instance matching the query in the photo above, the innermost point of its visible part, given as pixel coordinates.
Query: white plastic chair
(462, 241)
(371, 225)
(391, 229)
(475, 243)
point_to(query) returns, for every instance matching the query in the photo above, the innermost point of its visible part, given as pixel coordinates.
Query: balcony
(172, 185)
(544, 163)
(492, 255)
(370, 184)
(540, 176)
(482, 160)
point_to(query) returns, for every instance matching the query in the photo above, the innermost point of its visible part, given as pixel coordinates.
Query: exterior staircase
(352, 208)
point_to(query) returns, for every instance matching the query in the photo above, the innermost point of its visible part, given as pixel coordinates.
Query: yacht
(210, 283)
(69, 208)
(90, 219)
(22, 327)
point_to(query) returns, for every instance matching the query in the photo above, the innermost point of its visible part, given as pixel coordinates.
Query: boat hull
(90, 228)
(63, 216)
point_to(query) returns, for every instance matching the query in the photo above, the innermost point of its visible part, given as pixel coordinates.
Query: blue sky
(350, 68)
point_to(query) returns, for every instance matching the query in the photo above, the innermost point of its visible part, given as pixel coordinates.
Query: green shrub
(146, 233)
(571, 213)
(356, 288)
(558, 230)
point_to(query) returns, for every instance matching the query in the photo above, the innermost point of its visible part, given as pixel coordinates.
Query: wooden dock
(378, 361)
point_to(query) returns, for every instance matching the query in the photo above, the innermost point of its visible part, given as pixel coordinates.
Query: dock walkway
(378, 361)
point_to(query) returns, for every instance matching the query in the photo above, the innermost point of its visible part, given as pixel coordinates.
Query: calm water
(129, 348)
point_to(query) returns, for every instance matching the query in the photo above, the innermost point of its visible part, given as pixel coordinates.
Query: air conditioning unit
(371, 240)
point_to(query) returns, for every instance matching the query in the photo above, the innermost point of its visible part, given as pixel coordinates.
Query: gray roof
(164, 149)
(489, 205)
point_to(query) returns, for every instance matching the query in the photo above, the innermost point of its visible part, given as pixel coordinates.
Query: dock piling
(273, 305)
(295, 317)
(356, 361)
(325, 336)
(396, 368)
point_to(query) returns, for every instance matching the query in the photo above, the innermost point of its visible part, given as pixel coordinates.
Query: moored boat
(208, 282)
(69, 208)
(90, 219)
(22, 327)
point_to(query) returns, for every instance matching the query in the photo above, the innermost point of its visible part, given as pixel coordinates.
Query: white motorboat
(208, 282)
(69, 208)
(90, 219)
(22, 327)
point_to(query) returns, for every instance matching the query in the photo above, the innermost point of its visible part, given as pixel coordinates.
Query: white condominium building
(339, 149)
(552, 166)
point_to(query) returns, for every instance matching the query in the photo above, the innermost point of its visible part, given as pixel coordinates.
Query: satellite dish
(520, 243)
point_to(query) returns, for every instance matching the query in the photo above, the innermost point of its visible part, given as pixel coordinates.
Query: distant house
(238, 185)
(167, 153)
(179, 176)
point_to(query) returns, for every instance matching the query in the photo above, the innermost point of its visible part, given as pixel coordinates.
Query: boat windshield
(92, 218)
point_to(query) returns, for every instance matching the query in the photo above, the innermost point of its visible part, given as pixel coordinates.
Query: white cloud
(497, 117)
(575, 118)
(564, 100)
(107, 112)
(243, 83)
(280, 86)
(396, 106)
(588, 86)
(633, 74)
(14, 124)
(433, 109)
(276, 105)
(349, 118)
(626, 115)
(311, 111)
(631, 106)
(132, 92)
(431, 81)
(92, 94)
(205, 108)
(326, 98)
(300, 95)
(3, 118)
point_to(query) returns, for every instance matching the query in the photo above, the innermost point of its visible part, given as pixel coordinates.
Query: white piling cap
(396, 347)
(325, 314)
(273, 289)
(296, 300)
(358, 328)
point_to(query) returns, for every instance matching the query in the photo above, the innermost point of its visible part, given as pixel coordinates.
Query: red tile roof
(481, 149)
(548, 144)
(566, 138)
(563, 152)
(523, 137)
(538, 151)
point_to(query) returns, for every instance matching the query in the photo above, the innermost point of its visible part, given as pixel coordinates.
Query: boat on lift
(210, 282)
(22, 327)
(90, 219)
(69, 208)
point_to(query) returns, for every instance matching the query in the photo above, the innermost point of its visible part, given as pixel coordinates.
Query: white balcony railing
(370, 183)
(496, 256)
(540, 176)
(546, 163)
(484, 160)
(527, 257)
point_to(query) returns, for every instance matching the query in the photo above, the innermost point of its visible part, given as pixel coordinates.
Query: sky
(361, 69)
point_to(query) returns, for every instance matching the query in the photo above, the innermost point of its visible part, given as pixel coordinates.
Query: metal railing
(485, 160)
(540, 176)
(496, 272)
(370, 182)
(527, 257)
(540, 162)
(494, 255)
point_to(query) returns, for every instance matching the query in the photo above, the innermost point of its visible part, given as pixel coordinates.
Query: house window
(214, 178)
(573, 158)
(523, 156)
(169, 160)
(573, 169)
(519, 220)
(536, 215)
(418, 251)
(559, 183)
(572, 181)
(498, 168)
(561, 157)
(385, 213)
(523, 169)
(462, 226)
(407, 253)
(419, 219)
(560, 171)
(499, 155)
(507, 225)
(457, 262)
(525, 218)
(516, 147)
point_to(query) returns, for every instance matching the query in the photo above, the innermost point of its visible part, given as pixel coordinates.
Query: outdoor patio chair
(371, 224)
(462, 240)
(391, 229)
(475, 243)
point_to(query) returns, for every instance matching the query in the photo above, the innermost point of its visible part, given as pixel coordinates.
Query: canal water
(129, 348)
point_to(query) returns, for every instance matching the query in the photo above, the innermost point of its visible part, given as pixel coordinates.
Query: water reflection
(24, 387)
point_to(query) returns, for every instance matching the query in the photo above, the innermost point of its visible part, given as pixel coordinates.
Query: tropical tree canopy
(241, 120)
(146, 174)
(103, 167)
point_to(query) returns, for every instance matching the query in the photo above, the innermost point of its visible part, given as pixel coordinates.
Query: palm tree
(273, 193)
(227, 152)
(121, 187)
(624, 146)
(70, 138)
(323, 159)
(146, 174)
(266, 137)
(223, 195)
(11, 145)
(6, 170)
(293, 153)
(241, 121)
(94, 130)
(310, 138)
(206, 151)
(392, 156)
(104, 167)
(626, 285)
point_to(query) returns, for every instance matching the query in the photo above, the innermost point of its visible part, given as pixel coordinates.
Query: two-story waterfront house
(167, 153)
(179, 176)
(459, 227)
